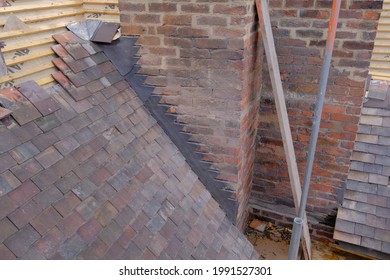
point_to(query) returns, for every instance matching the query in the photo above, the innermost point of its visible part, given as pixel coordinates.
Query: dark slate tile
(27, 132)
(84, 189)
(22, 240)
(47, 123)
(45, 221)
(39, 97)
(6, 162)
(48, 157)
(27, 169)
(5, 253)
(24, 152)
(23, 111)
(7, 229)
(24, 192)
(386, 247)
(76, 51)
(383, 212)
(71, 247)
(363, 230)
(8, 141)
(24, 214)
(78, 79)
(45, 140)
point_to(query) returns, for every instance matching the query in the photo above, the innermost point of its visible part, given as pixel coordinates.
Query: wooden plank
(26, 72)
(101, 2)
(104, 12)
(41, 6)
(29, 57)
(28, 44)
(45, 81)
(48, 16)
(31, 31)
(273, 66)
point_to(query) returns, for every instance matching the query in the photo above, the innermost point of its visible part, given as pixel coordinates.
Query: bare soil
(273, 242)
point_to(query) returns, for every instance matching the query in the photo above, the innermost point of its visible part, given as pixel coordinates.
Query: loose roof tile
(23, 110)
(104, 181)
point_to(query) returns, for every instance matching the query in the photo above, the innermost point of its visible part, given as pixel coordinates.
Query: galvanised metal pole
(294, 246)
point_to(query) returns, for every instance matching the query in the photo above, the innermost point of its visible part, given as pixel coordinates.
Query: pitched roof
(364, 217)
(87, 173)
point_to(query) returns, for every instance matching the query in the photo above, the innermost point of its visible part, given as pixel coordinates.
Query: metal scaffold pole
(296, 234)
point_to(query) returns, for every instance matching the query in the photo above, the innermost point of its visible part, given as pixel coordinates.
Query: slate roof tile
(22, 109)
(103, 180)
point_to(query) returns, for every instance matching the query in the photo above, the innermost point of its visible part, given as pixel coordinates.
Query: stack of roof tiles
(87, 173)
(364, 218)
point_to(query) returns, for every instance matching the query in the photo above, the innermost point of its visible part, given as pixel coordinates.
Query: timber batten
(28, 51)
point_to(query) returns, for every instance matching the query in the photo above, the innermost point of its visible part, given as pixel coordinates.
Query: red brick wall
(300, 28)
(202, 58)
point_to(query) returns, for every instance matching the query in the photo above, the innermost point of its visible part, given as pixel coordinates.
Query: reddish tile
(5, 253)
(25, 214)
(7, 205)
(78, 79)
(27, 169)
(111, 233)
(115, 252)
(62, 80)
(22, 240)
(24, 192)
(94, 72)
(60, 51)
(144, 174)
(8, 141)
(39, 97)
(24, 152)
(60, 64)
(106, 214)
(48, 197)
(45, 221)
(45, 140)
(76, 50)
(23, 110)
(27, 132)
(107, 67)
(90, 230)
(88, 208)
(80, 93)
(95, 251)
(4, 113)
(66, 205)
(158, 244)
(65, 38)
(50, 242)
(70, 224)
(7, 229)
(126, 237)
(8, 182)
(48, 157)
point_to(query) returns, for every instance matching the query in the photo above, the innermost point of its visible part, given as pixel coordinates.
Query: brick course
(205, 62)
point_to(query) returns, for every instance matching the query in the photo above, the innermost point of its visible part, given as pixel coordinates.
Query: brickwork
(300, 33)
(202, 57)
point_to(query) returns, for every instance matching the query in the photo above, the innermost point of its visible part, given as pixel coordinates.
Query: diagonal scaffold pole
(280, 104)
(296, 235)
